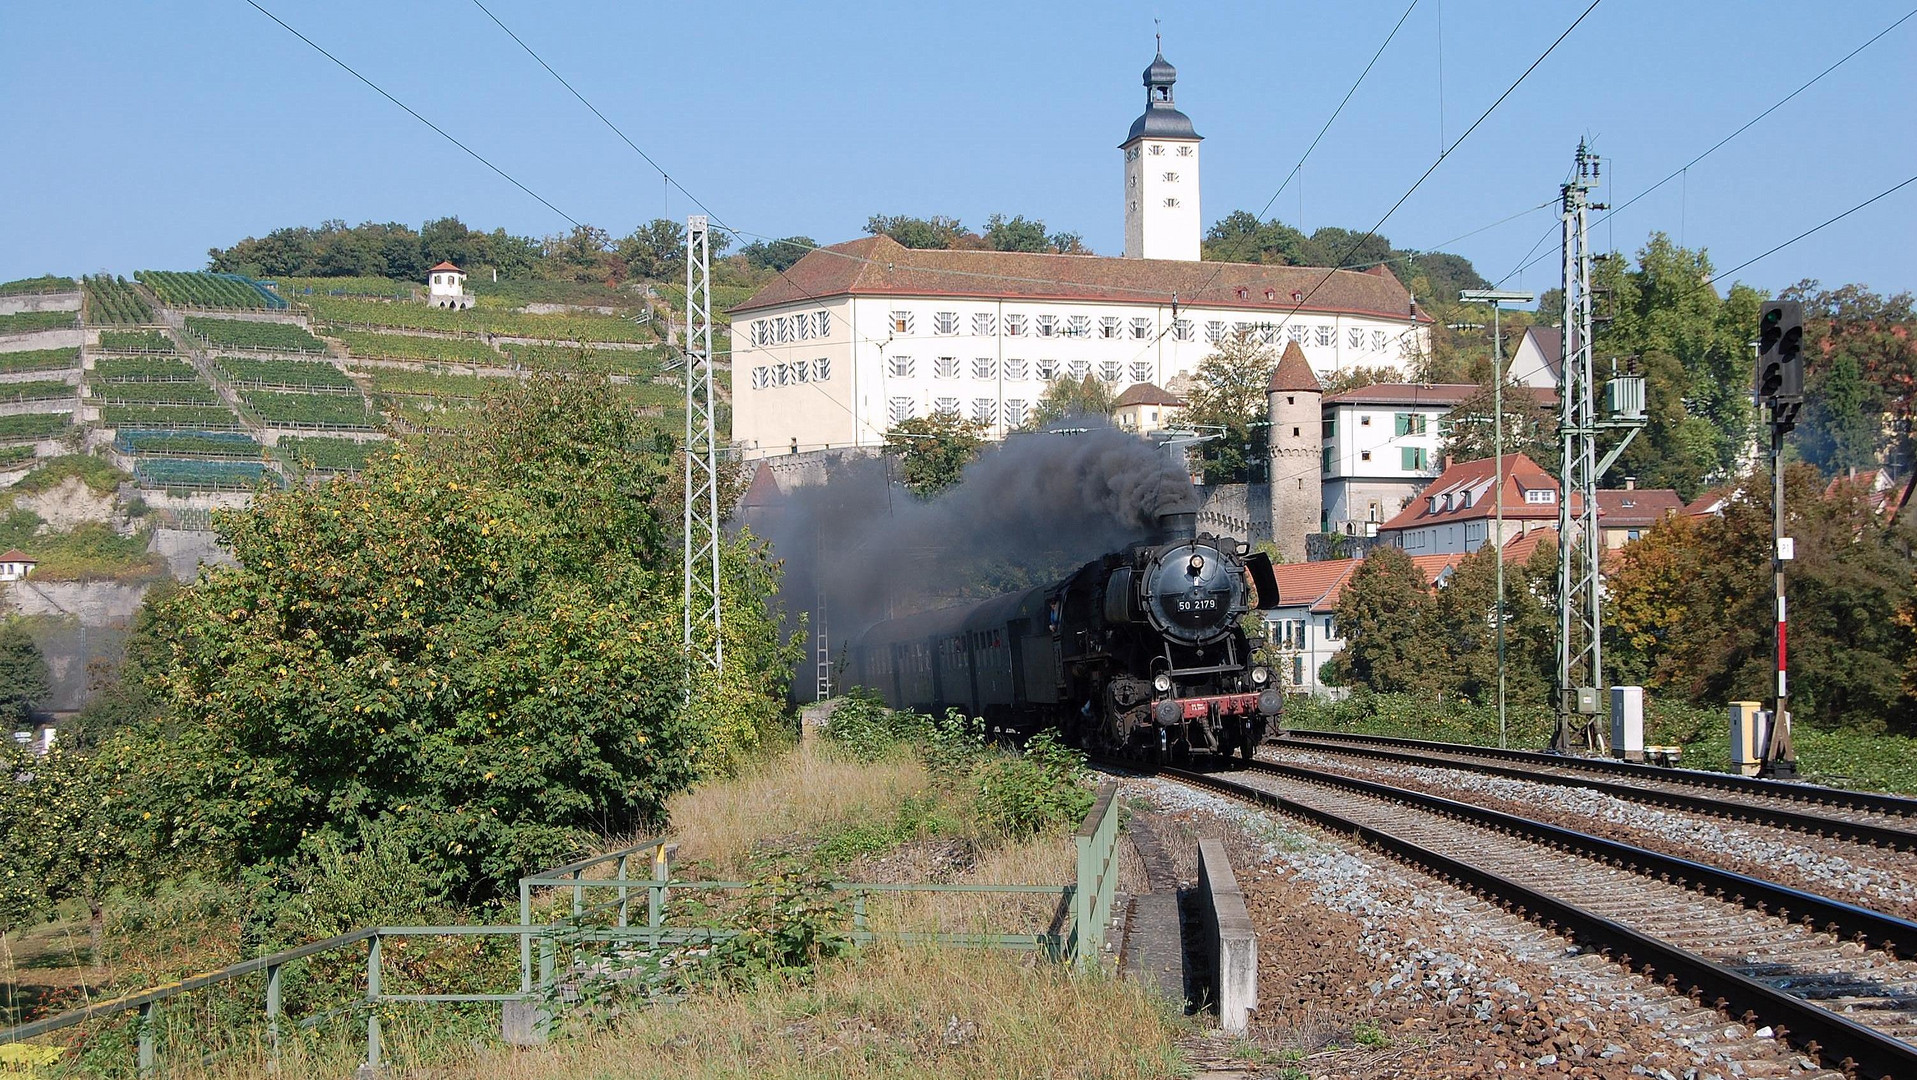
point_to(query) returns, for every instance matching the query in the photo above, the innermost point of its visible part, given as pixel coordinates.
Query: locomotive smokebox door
(1262, 576)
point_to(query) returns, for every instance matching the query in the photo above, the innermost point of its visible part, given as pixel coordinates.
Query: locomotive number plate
(1207, 604)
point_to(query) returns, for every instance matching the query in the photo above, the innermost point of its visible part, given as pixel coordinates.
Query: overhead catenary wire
(474, 154)
(1681, 170)
(1827, 221)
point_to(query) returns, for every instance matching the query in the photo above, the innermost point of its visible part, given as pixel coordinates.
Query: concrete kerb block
(521, 1023)
(1229, 936)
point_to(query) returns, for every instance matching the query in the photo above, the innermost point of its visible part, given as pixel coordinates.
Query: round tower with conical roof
(1297, 444)
(1161, 174)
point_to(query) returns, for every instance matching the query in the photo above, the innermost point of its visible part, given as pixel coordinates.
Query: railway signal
(1780, 389)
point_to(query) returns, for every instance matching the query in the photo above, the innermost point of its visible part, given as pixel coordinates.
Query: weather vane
(1158, 36)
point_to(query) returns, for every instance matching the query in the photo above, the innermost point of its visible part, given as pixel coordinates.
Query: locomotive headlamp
(1196, 566)
(1260, 676)
(1162, 683)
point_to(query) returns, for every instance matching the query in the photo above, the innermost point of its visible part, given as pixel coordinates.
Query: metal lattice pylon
(704, 646)
(1580, 622)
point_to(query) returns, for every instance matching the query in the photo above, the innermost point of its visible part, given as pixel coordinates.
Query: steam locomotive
(1139, 652)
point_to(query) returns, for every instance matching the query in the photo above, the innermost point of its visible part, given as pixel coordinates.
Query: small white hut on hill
(446, 287)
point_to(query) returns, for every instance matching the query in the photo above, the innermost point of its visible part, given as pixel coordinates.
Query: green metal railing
(1085, 908)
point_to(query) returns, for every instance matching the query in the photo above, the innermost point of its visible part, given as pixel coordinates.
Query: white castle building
(856, 337)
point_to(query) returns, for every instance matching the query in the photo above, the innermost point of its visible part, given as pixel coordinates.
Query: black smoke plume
(860, 548)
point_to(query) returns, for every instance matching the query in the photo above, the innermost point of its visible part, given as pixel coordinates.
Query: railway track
(1824, 973)
(1886, 821)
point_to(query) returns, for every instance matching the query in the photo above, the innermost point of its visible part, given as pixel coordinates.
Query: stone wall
(1238, 510)
(14, 305)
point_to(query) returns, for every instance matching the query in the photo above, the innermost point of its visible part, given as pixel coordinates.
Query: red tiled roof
(1522, 548)
(1469, 484)
(1406, 394)
(16, 555)
(1315, 584)
(446, 266)
(1294, 372)
(1635, 508)
(881, 266)
(763, 491)
(1146, 394)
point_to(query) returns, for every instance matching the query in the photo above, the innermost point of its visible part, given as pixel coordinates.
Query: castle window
(1141, 328)
(1015, 370)
(1078, 326)
(1111, 371)
(801, 371)
(947, 406)
(984, 324)
(1171, 204)
(899, 367)
(1297, 332)
(898, 409)
(984, 367)
(1410, 423)
(1182, 329)
(1109, 326)
(1294, 433)
(1014, 411)
(901, 322)
(1214, 331)
(1364, 455)
(784, 325)
(1014, 326)
(1047, 325)
(1355, 337)
(1412, 458)
(1537, 496)
(945, 367)
(1048, 370)
(1080, 370)
(781, 374)
(825, 324)
(1141, 371)
(945, 322)
(821, 369)
(1378, 340)
(761, 332)
(1268, 333)
(984, 410)
(761, 378)
(1325, 335)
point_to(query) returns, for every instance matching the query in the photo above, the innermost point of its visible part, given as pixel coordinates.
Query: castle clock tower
(1161, 175)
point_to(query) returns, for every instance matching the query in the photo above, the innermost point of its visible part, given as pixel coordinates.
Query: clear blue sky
(140, 134)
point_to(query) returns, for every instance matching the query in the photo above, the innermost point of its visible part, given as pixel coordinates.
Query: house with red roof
(1144, 408)
(1458, 512)
(446, 287)
(15, 565)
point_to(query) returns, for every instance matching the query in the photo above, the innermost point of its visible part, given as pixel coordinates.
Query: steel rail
(1862, 832)
(1817, 1030)
(1842, 798)
(1873, 928)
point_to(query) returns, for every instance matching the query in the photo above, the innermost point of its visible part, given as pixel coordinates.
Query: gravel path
(1869, 877)
(1368, 968)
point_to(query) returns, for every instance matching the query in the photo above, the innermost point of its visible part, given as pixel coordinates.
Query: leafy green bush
(29, 321)
(245, 334)
(144, 369)
(34, 286)
(310, 410)
(866, 729)
(246, 371)
(97, 473)
(1043, 788)
(136, 341)
(33, 425)
(112, 300)
(170, 392)
(38, 390)
(40, 360)
(14, 456)
(414, 347)
(214, 418)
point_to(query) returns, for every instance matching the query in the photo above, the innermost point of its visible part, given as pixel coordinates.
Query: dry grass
(719, 825)
(888, 1013)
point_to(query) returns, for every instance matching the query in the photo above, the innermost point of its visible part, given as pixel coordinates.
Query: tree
(1353, 378)
(1693, 609)
(914, 232)
(1065, 399)
(655, 251)
(1861, 352)
(25, 679)
(1463, 624)
(1015, 234)
(1382, 613)
(777, 255)
(933, 451)
(1229, 391)
(470, 651)
(1842, 418)
(1240, 237)
(1471, 428)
